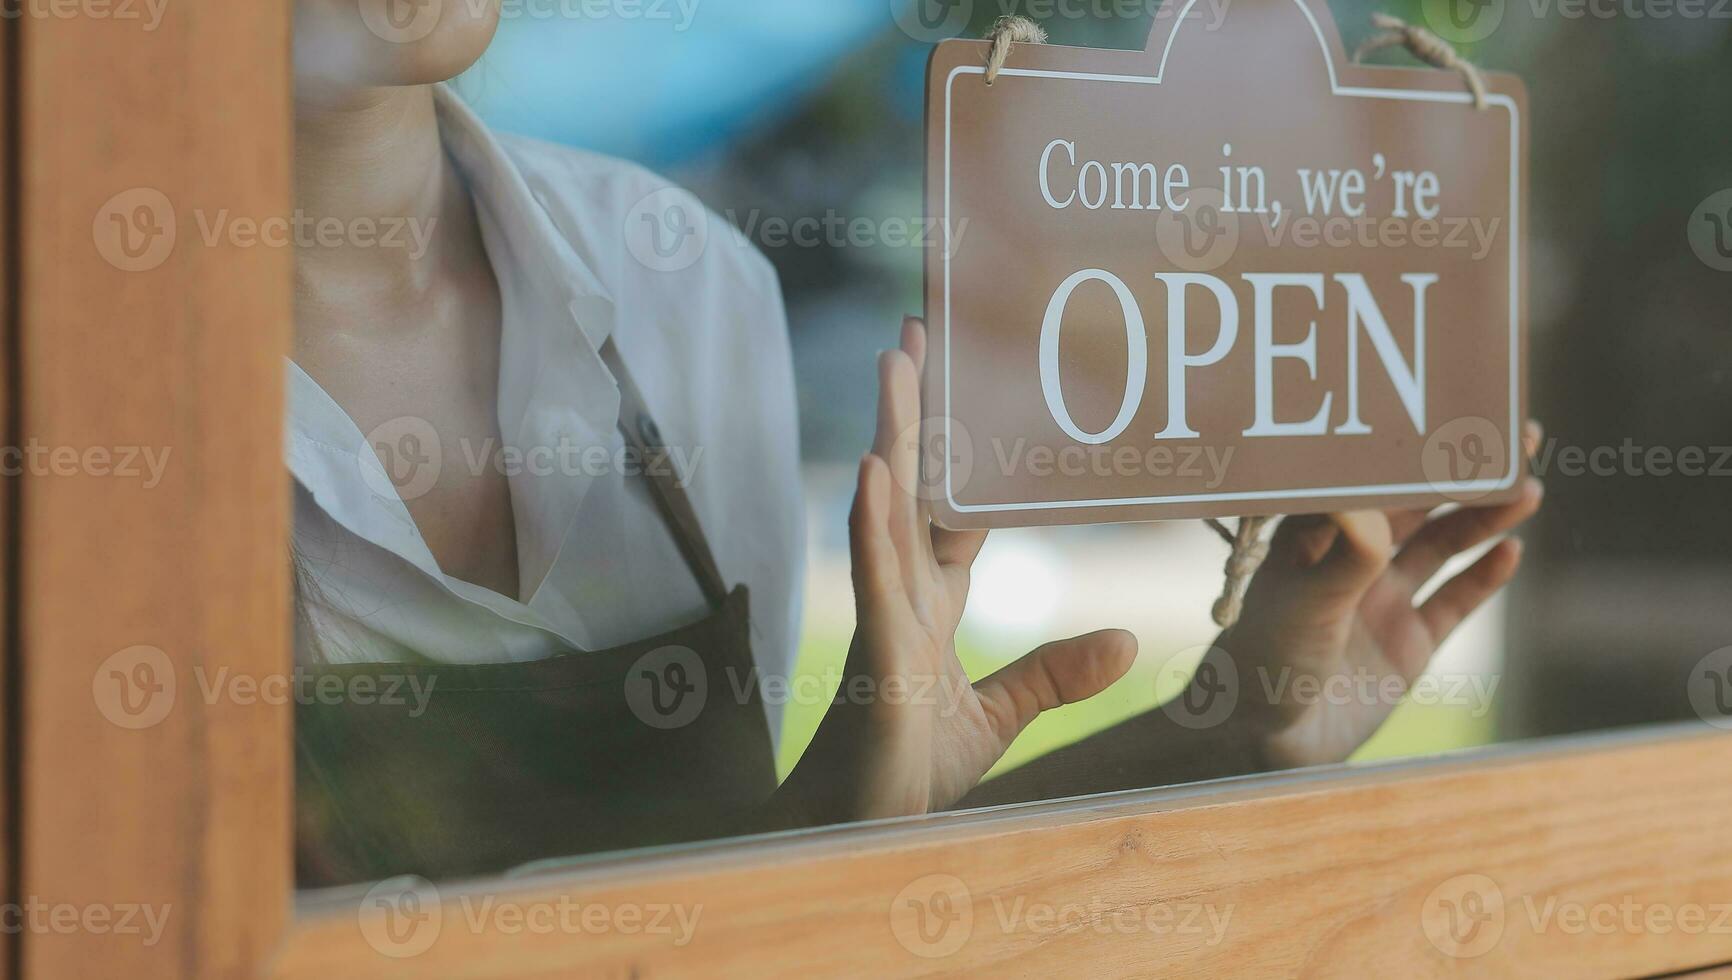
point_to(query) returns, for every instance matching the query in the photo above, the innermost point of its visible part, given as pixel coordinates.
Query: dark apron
(655, 742)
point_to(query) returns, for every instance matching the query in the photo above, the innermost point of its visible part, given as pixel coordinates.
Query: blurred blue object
(661, 81)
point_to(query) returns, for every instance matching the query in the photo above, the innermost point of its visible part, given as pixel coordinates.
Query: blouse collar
(554, 389)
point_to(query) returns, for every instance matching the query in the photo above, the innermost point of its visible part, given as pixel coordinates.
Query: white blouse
(585, 248)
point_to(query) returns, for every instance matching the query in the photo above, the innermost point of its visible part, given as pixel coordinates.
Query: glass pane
(590, 304)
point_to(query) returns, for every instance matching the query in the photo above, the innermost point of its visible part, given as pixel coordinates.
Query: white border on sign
(1463, 487)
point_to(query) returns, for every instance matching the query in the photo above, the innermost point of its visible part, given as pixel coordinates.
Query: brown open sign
(1233, 273)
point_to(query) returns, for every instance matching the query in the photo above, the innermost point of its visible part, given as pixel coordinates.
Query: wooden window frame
(1326, 871)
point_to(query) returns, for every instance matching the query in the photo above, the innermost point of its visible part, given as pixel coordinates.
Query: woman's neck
(367, 160)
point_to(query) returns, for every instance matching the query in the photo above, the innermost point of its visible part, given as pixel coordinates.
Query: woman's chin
(392, 42)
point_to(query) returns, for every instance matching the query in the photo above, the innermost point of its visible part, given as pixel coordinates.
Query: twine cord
(1425, 46)
(1007, 31)
(1250, 550)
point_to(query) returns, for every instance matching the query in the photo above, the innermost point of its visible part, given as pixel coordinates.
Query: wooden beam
(9, 499)
(143, 345)
(1352, 873)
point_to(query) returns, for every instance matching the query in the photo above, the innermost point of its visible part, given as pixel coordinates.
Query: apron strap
(667, 484)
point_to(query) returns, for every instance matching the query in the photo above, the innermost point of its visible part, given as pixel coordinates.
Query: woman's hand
(909, 733)
(1336, 609)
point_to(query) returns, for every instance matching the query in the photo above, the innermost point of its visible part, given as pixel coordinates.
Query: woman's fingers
(956, 548)
(1359, 555)
(1328, 556)
(950, 548)
(1302, 540)
(898, 444)
(877, 570)
(1403, 523)
(1458, 531)
(1059, 673)
(1533, 435)
(955, 552)
(1460, 596)
(914, 342)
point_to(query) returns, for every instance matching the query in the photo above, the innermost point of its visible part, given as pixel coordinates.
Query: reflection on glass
(576, 467)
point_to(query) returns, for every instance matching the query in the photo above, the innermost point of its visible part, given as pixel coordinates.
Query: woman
(514, 661)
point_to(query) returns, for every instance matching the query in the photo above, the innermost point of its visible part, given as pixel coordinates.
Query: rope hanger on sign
(1006, 31)
(1425, 46)
(1014, 29)
(1249, 546)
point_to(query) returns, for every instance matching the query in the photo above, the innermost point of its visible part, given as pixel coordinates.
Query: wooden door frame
(1315, 872)
(1343, 870)
(9, 515)
(179, 353)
